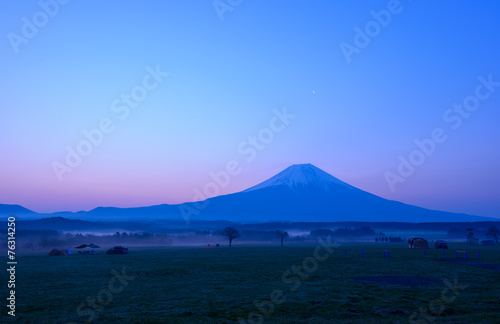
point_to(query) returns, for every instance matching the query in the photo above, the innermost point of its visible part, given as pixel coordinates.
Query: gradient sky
(352, 120)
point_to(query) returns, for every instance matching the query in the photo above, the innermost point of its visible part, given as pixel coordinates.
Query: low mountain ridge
(6, 209)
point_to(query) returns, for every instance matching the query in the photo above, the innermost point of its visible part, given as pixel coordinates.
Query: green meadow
(261, 284)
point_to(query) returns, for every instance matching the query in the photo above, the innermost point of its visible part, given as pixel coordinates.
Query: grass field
(263, 283)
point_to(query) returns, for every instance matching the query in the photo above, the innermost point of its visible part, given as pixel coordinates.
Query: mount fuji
(300, 193)
(305, 193)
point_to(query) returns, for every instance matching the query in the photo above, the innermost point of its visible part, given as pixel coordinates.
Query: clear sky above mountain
(68, 69)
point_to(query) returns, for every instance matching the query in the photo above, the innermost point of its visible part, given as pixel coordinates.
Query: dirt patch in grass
(474, 263)
(408, 281)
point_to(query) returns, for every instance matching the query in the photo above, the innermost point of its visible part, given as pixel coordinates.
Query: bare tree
(282, 235)
(493, 232)
(231, 233)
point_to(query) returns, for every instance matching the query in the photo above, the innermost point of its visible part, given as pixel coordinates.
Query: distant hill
(78, 225)
(65, 224)
(14, 210)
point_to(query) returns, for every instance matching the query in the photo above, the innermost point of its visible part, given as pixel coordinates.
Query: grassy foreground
(254, 284)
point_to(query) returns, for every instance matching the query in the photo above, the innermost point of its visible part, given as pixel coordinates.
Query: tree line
(48, 239)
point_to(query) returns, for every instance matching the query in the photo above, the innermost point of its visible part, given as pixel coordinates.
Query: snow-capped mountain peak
(302, 176)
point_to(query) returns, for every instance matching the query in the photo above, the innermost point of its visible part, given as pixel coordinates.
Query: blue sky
(225, 77)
